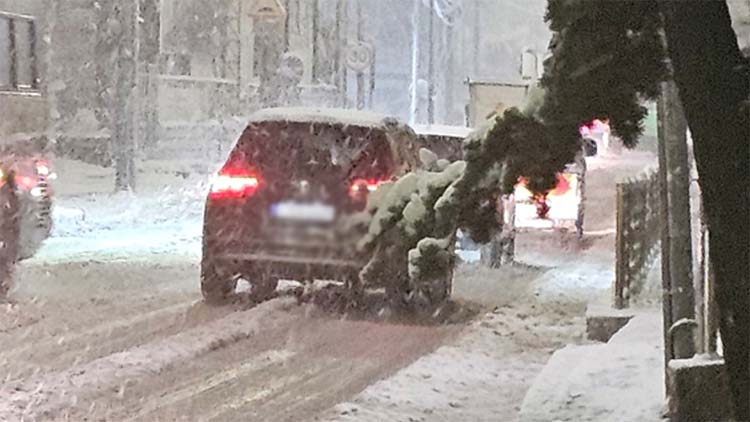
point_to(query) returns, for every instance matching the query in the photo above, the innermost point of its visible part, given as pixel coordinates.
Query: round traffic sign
(359, 56)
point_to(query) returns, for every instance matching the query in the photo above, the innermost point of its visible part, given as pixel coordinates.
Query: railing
(637, 235)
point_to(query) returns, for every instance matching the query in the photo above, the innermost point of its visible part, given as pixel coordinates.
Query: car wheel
(355, 293)
(217, 284)
(34, 230)
(263, 288)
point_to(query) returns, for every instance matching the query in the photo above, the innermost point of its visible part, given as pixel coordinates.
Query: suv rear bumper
(290, 267)
(35, 223)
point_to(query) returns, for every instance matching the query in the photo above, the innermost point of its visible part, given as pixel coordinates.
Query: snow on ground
(163, 219)
(123, 225)
(582, 271)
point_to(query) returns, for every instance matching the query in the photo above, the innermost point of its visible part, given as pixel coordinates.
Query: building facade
(23, 100)
(194, 64)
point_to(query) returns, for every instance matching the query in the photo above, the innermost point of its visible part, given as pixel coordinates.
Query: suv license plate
(300, 211)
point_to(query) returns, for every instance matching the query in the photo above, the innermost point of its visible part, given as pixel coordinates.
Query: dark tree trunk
(712, 77)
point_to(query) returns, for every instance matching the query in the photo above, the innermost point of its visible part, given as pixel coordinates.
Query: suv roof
(345, 117)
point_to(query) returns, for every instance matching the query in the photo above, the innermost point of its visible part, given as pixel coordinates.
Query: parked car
(279, 207)
(31, 186)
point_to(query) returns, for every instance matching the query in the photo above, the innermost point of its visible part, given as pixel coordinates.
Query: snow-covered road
(108, 324)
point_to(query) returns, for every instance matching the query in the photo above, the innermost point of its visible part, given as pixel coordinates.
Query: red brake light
(361, 187)
(234, 183)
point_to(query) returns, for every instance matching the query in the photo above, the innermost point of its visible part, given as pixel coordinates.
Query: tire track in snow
(48, 394)
(111, 336)
(214, 382)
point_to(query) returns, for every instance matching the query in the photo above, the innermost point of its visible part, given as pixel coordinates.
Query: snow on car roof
(443, 130)
(323, 115)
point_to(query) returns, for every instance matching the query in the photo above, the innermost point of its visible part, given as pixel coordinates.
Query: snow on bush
(413, 222)
(431, 259)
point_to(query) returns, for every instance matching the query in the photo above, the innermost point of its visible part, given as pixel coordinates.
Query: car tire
(217, 284)
(263, 288)
(34, 230)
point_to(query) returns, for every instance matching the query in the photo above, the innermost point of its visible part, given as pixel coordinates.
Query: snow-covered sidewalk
(163, 219)
(620, 381)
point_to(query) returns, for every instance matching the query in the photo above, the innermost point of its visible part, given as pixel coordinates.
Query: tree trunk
(115, 72)
(678, 197)
(666, 276)
(712, 77)
(501, 250)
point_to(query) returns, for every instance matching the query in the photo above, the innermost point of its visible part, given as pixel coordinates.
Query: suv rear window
(288, 148)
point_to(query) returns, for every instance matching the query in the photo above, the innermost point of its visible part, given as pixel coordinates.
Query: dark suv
(280, 207)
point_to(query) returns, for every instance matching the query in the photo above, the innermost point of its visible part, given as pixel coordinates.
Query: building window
(18, 67)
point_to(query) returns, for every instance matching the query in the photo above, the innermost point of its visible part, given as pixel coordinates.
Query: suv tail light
(42, 168)
(360, 188)
(233, 183)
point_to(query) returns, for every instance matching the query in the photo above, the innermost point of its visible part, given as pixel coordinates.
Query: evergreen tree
(608, 56)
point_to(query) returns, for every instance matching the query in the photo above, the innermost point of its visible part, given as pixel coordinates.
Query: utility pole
(674, 148)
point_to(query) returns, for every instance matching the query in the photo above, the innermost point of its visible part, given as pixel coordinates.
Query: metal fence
(637, 235)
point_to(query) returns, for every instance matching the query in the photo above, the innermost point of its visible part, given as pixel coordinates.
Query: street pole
(360, 75)
(341, 71)
(449, 74)
(416, 25)
(373, 69)
(431, 67)
(477, 37)
(315, 41)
